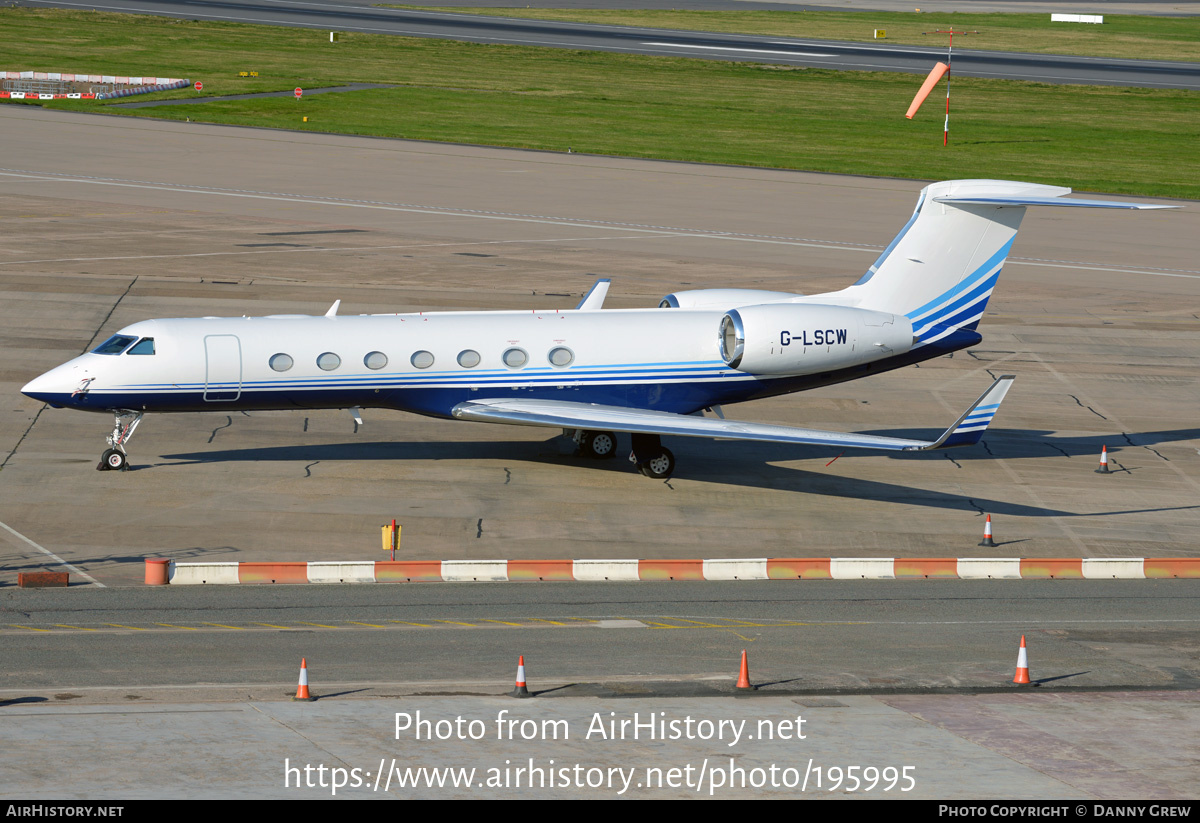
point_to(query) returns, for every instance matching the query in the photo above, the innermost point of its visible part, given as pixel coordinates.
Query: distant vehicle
(593, 372)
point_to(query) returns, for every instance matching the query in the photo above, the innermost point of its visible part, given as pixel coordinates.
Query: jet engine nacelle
(805, 339)
(721, 299)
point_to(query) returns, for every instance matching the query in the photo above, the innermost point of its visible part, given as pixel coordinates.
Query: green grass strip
(1134, 141)
(1126, 36)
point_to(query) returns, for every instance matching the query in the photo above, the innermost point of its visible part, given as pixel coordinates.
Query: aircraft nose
(55, 386)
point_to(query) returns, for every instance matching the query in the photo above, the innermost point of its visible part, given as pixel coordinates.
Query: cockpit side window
(114, 345)
(144, 346)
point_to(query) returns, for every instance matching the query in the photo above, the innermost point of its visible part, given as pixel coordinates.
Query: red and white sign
(298, 92)
(199, 85)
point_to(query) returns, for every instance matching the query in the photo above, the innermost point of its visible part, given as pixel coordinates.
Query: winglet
(594, 299)
(333, 309)
(968, 429)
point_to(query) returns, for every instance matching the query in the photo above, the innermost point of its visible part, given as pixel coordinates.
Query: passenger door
(223, 368)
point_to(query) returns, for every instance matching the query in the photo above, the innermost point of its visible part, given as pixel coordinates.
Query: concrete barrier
(358, 571)
(855, 568)
(605, 570)
(186, 574)
(755, 569)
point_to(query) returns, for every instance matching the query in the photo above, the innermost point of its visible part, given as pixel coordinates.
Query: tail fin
(941, 269)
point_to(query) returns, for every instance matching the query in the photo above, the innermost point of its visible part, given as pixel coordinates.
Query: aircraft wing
(967, 430)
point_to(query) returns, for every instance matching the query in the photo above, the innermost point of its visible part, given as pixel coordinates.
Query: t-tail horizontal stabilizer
(593, 417)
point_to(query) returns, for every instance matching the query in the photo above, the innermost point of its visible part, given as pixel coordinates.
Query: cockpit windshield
(114, 345)
(144, 346)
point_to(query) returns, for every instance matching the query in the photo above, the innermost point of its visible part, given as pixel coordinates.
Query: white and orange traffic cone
(1103, 461)
(744, 674)
(1022, 675)
(302, 689)
(987, 533)
(521, 689)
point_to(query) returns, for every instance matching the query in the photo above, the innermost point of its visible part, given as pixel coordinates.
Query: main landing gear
(649, 455)
(125, 423)
(596, 445)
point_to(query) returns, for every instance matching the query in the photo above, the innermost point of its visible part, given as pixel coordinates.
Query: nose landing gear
(125, 423)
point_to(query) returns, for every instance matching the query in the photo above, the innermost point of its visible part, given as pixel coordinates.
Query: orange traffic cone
(302, 689)
(1103, 461)
(1022, 664)
(520, 690)
(987, 533)
(744, 674)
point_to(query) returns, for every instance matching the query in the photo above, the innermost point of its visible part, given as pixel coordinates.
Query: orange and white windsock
(930, 81)
(1103, 461)
(521, 689)
(1022, 675)
(987, 532)
(302, 689)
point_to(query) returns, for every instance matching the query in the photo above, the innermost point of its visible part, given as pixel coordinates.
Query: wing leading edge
(967, 430)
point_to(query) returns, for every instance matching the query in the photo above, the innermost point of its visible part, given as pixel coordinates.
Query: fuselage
(426, 363)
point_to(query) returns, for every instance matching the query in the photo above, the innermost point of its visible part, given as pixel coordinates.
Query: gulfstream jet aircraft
(589, 371)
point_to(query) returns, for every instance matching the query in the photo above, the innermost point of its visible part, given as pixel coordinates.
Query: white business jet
(588, 371)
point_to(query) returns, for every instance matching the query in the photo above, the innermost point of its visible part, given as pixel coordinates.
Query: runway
(352, 17)
(109, 221)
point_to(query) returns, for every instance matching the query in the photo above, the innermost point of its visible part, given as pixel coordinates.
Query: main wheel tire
(660, 467)
(600, 445)
(114, 460)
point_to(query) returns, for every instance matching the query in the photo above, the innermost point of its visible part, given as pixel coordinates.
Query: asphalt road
(663, 42)
(640, 639)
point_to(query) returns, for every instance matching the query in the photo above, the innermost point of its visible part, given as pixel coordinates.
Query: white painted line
(53, 556)
(653, 231)
(732, 48)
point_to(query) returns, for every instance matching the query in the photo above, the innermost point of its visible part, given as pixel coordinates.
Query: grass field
(1135, 37)
(1135, 141)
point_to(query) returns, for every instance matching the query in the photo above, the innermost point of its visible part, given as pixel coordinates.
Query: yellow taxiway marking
(318, 625)
(456, 623)
(80, 628)
(131, 628)
(223, 626)
(407, 623)
(540, 620)
(270, 625)
(372, 625)
(173, 626)
(697, 622)
(503, 622)
(30, 628)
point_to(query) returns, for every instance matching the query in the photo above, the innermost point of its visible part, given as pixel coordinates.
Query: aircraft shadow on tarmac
(746, 464)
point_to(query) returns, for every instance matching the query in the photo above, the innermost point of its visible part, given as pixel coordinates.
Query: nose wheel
(113, 460)
(125, 423)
